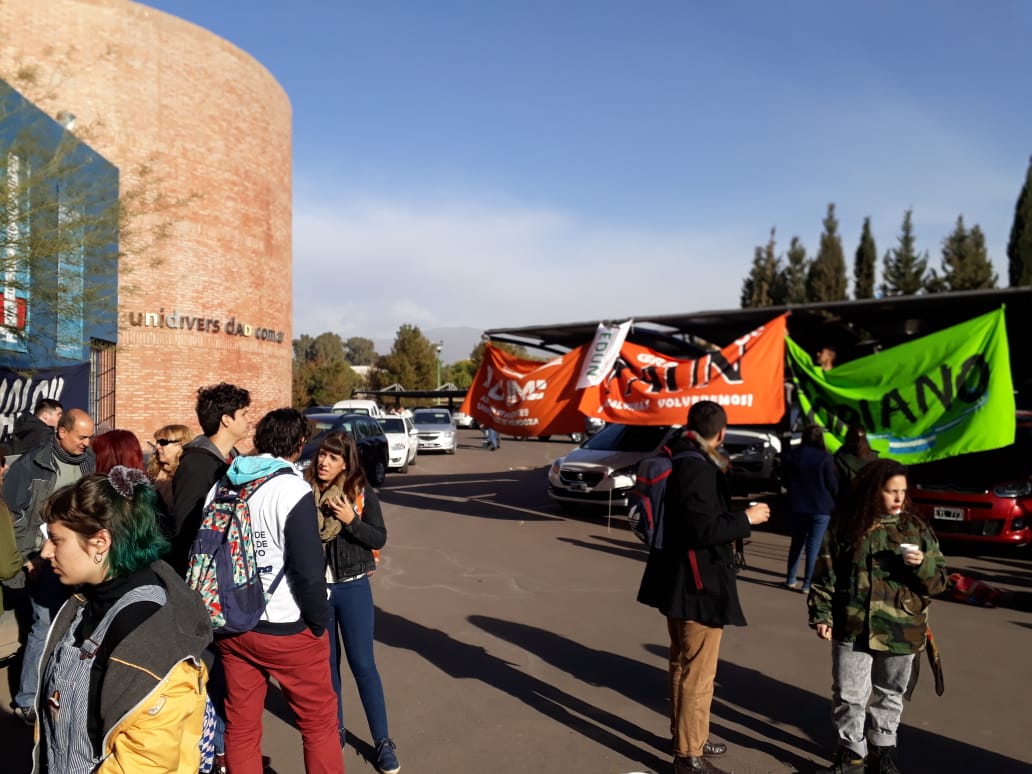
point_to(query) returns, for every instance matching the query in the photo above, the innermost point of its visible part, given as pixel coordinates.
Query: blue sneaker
(386, 758)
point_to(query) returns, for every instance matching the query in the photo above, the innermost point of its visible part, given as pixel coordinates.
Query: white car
(601, 471)
(464, 420)
(402, 441)
(436, 429)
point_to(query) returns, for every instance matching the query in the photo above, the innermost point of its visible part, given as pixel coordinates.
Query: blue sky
(488, 164)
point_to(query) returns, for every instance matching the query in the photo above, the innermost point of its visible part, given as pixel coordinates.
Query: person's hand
(757, 513)
(32, 566)
(913, 558)
(823, 631)
(342, 509)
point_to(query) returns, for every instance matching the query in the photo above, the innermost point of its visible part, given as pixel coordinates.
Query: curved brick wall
(216, 126)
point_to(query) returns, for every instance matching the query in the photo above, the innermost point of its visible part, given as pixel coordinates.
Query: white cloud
(364, 266)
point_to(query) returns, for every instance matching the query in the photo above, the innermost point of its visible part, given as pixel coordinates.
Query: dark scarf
(85, 460)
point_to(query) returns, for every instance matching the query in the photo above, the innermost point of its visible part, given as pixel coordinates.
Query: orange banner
(747, 378)
(526, 398)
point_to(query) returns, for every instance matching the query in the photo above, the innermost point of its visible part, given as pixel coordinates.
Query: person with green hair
(121, 681)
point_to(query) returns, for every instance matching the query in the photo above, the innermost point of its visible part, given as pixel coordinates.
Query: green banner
(941, 395)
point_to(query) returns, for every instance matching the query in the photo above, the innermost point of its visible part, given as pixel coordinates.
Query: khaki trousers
(694, 650)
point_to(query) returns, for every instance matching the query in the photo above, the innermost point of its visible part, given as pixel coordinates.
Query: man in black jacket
(33, 430)
(691, 580)
(223, 413)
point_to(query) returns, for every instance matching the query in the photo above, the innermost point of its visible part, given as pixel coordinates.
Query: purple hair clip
(125, 480)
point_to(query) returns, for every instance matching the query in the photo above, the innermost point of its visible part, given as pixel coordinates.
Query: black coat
(697, 515)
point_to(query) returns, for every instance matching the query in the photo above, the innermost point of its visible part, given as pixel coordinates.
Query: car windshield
(432, 418)
(630, 438)
(393, 425)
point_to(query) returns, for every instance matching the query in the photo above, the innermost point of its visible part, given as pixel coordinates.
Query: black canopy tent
(854, 328)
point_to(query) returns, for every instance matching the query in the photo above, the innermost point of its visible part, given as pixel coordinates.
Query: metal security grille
(102, 382)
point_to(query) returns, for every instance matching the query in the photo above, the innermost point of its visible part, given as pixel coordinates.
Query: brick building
(212, 302)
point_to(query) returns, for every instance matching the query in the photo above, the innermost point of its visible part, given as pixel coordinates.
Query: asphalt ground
(509, 640)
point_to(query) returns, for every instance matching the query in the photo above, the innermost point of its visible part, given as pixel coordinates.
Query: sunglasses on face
(163, 442)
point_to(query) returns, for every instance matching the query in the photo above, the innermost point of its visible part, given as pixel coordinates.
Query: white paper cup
(908, 548)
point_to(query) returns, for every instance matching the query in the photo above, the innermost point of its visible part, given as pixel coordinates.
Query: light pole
(439, 346)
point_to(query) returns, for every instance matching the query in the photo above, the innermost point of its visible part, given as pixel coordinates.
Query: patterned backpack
(223, 567)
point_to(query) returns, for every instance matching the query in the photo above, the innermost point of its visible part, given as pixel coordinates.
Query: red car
(981, 498)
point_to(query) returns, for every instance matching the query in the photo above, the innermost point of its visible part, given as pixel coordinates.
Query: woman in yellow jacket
(122, 684)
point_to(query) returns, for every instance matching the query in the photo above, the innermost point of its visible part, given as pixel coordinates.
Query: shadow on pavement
(737, 686)
(464, 661)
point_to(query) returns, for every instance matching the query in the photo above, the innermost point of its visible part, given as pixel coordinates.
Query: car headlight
(556, 465)
(1016, 489)
(630, 472)
(302, 465)
(398, 446)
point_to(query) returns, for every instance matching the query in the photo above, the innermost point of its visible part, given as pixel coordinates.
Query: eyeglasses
(163, 442)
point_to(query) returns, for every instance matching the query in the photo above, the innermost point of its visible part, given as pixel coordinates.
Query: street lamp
(439, 346)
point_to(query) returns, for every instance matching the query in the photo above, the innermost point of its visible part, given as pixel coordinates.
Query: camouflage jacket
(869, 596)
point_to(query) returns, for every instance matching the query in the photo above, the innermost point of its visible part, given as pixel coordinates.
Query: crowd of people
(121, 669)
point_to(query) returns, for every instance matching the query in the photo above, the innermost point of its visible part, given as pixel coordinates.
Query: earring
(98, 558)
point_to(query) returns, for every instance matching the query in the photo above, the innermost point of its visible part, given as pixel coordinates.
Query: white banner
(602, 354)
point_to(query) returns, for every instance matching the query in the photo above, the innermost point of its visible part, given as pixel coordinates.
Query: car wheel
(404, 467)
(544, 437)
(451, 450)
(577, 437)
(378, 473)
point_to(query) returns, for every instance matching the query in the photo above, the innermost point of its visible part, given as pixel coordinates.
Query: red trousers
(300, 663)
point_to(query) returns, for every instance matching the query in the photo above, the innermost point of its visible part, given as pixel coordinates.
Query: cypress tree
(826, 279)
(965, 261)
(864, 263)
(762, 286)
(904, 270)
(1019, 247)
(793, 276)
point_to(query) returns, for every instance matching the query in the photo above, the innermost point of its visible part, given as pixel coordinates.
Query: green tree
(965, 261)
(321, 372)
(904, 270)
(360, 351)
(1019, 246)
(764, 285)
(864, 263)
(412, 362)
(460, 373)
(793, 275)
(826, 279)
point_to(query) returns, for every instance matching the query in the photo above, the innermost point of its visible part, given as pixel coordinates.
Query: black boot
(691, 764)
(846, 762)
(882, 760)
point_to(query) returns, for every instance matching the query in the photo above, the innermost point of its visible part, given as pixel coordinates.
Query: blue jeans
(808, 530)
(351, 613)
(47, 594)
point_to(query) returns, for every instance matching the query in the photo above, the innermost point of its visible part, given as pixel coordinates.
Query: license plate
(579, 486)
(948, 514)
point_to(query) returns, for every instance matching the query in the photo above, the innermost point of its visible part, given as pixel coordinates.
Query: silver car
(435, 429)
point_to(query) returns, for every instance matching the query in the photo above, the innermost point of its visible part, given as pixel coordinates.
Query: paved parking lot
(509, 641)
